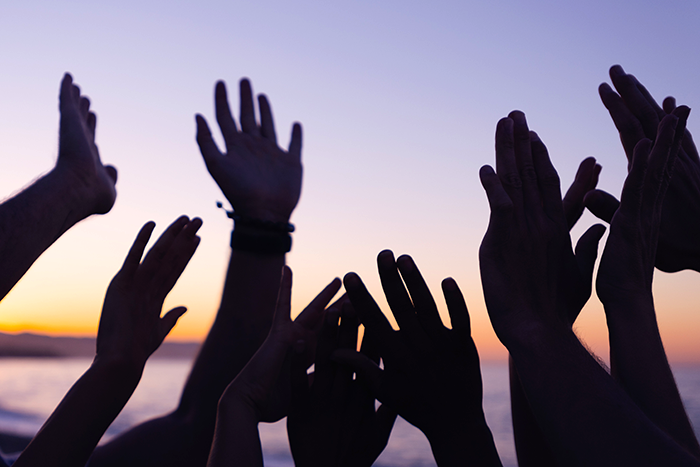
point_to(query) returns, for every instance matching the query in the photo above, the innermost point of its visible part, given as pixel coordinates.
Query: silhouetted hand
(131, 327)
(259, 179)
(92, 184)
(526, 257)
(431, 374)
(333, 421)
(636, 116)
(264, 383)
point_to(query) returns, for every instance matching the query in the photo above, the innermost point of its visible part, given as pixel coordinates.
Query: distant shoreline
(29, 345)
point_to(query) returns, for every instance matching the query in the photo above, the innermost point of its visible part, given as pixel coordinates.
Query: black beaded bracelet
(257, 223)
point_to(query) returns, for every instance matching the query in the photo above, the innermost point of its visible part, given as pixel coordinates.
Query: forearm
(76, 426)
(240, 327)
(639, 364)
(236, 438)
(32, 221)
(530, 444)
(473, 446)
(579, 405)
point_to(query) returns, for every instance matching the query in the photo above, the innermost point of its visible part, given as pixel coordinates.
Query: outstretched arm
(131, 329)
(77, 187)
(637, 357)
(263, 183)
(260, 393)
(523, 256)
(431, 374)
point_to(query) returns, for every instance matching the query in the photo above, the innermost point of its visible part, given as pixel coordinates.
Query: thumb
(170, 319)
(587, 250)
(602, 204)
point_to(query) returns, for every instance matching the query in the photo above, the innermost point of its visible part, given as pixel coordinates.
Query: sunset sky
(398, 100)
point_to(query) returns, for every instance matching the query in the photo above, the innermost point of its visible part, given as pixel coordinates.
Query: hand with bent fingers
(636, 116)
(259, 179)
(431, 374)
(261, 391)
(333, 421)
(78, 158)
(130, 325)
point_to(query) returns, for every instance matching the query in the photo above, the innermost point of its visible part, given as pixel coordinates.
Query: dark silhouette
(431, 374)
(526, 259)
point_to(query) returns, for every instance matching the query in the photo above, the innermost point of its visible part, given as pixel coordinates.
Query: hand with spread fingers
(431, 374)
(333, 421)
(636, 116)
(130, 330)
(261, 391)
(259, 179)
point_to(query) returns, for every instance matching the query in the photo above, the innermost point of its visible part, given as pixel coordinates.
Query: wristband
(259, 236)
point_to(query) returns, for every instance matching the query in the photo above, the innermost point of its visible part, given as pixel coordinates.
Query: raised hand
(79, 161)
(260, 392)
(431, 374)
(636, 116)
(130, 330)
(259, 179)
(131, 327)
(333, 421)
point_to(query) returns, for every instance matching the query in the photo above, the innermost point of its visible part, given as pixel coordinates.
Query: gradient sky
(398, 100)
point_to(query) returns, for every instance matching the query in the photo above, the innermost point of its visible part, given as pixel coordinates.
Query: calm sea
(31, 388)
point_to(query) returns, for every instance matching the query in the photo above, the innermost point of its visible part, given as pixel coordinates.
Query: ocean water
(30, 389)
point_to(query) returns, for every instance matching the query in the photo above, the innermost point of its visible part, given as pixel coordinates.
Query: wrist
(119, 370)
(471, 444)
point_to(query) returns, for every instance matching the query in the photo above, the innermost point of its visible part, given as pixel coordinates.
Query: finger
(548, 180)
(155, 255)
(92, 123)
(248, 123)
(299, 378)
(424, 304)
(133, 258)
(669, 104)
(295, 142)
(370, 314)
(586, 180)
(660, 114)
(506, 166)
(206, 143)
(227, 124)
(267, 123)
(602, 204)
(627, 86)
(500, 203)
(111, 173)
(370, 372)
(369, 346)
(523, 159)
(324, 369)
(66, 92)
(396, 294)
(631, 197)
(168, 322)
(284, 299)
(84, 107)
(179, 256)
(627, 124)
(347, 339)
(659, 158)
(456, 306)
(586, 251)
(313, 312)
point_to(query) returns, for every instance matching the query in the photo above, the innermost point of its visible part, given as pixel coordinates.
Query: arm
(332, 421)
(263, 183)
(77, 187)
(526, 247)
(131, 329)
(624, 285)
(431, 374)
(636, 116)
(260, 393)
